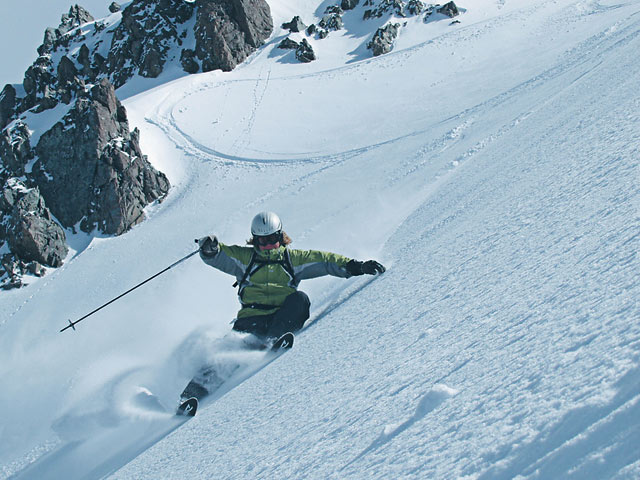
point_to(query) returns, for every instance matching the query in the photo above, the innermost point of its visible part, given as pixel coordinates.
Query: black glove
(370, 267)
(208, 246)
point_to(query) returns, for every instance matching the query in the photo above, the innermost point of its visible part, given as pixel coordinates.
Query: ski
(209, 380)
(188, 407)
(285, 342)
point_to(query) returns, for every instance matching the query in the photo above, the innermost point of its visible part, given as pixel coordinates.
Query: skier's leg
(258, 324)
(291, 316)
(194, 389)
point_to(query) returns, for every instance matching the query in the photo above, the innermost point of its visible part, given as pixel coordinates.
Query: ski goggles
(269, 239)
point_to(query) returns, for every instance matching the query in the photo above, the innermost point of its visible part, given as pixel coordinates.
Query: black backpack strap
(245, 275)
(288, 266)
(285, 263)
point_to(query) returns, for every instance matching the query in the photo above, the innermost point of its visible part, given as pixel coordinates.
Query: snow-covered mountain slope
(492, 165)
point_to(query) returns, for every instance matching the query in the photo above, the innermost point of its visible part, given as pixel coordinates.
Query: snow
(492, 166)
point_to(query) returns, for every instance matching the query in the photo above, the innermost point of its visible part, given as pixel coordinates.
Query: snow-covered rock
(304, 52)
(226, 33)
(382, 41)
(295, 25)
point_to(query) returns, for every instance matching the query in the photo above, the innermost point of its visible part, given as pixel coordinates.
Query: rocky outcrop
(304, 52)
(7, 105)
(53, 37)
(288, 44)
(295, 25)
(415, 7)
(15, 151)
(29, 233)
(382, 41)
(449, 9)
(332, 19)
(385, 7)
(206, 34)
(400, 8)
(90, 169)
(29, 229)
(189, 61)
(228, 31)
(349, 4)
(145, 35)
(225, 31)
(86, 171)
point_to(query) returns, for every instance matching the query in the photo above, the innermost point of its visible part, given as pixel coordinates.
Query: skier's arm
(231, 259)
(314, 263)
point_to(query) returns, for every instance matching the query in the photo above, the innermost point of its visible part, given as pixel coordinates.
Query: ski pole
(72, 324)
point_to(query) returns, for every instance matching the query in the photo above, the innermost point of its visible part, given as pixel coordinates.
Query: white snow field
(491, 165)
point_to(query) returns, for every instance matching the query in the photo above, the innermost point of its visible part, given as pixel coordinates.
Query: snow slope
(491, 165)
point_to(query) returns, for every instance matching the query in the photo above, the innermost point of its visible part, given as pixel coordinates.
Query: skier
(268, 274)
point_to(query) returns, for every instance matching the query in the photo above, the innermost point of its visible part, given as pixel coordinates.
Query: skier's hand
(370, 267)
(208, 246)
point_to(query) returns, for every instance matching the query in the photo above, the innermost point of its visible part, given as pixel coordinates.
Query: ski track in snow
(503, 341)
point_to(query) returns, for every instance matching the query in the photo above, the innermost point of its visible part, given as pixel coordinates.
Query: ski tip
(284, 342)
(188, 407)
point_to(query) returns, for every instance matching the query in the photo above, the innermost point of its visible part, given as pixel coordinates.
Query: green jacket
(271, 284)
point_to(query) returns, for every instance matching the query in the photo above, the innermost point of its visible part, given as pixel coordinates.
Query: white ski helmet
(265, 223)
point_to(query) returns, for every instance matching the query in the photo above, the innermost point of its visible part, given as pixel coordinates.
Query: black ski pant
(289, 318)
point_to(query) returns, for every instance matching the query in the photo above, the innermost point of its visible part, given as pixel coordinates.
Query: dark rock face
(90, 168)
(144, 37)
(304, 52)
(220, 34)
(29, 229)
(382, 41)
(74, 18)
(349, 4)
(332, 20)
(114, 7)
(415, 7)
(449, 9)
(77, 16)
(403, 9)
(188, 61)
(395, 7)
(39, 85)
(288, 44)
(227, 31)
(295, 25)
(15, 151)
(7, 105)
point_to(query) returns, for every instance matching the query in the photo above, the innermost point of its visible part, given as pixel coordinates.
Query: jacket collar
(275, 254)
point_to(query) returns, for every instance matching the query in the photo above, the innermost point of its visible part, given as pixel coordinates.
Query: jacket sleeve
(231, 259)
(314, 263)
